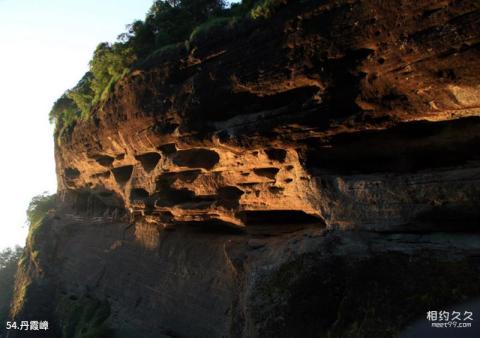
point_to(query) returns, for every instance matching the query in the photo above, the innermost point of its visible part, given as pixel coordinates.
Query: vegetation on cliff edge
(167, 23)
(38, 208)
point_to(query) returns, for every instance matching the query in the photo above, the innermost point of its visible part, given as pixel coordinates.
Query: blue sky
(45, 49)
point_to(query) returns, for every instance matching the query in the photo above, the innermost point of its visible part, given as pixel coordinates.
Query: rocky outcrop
(315, 174)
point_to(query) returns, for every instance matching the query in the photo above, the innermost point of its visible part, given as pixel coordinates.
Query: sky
(45, 47)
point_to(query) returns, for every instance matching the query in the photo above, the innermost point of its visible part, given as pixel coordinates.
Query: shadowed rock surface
(316, 174)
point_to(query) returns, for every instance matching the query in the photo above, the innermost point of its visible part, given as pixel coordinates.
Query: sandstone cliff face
(315, 174)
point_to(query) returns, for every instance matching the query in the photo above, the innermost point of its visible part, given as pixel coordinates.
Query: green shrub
(82, 95)
(111, 84)
(64, 113)
(173, 47)
(167, 23)
(108, 65)
(74, 105)
(109, 62)
(266, 8)
(39, 207)
(165, 51)
(210, 27)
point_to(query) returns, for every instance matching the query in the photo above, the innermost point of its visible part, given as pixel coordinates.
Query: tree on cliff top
(166, 23)
(39, 206)
(169, 22)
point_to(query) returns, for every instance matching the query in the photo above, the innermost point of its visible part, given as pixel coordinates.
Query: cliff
(314, 174)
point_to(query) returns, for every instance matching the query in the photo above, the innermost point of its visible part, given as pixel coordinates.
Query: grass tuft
(266, 8)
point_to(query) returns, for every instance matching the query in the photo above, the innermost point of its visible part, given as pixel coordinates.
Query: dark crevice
(196, 158)
(248, 184)
(267, 172)
(220, 103)
(167, 196)
(406, 148)
(123, 174)
(342, 94)
(104, 160)
(278, 218)
(213, 226)
(140, 199)
(229, 197)
(149, 160)
(276, 190)
(71, 173)
(139, 194)
(278, 155)
(185, 176)
(168, 149)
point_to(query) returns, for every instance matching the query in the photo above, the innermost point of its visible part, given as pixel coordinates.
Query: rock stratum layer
(315, 174)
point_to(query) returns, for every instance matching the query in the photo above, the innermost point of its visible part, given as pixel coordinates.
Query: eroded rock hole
(71, 173)
(276, 190)
(278, 155)
(220, 105)
(183, 198)
(167, 196)
(267, 172)
(185, 176)
(149, 160)
(104, 160)
(341, 96)
(139, 194)
(229, 197)
(140, 199)
(168, 149)
(123, 174)
(196, 158)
